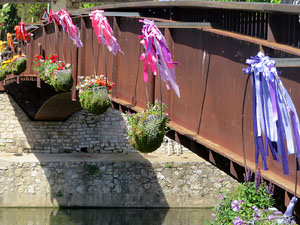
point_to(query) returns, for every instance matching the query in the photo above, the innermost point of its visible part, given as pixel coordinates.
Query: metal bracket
(287, 62)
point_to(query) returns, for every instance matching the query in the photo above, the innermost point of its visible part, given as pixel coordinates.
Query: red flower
(63, 64)
(39, 64)
(60, 68)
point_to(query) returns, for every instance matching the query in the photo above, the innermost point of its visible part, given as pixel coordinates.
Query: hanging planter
(3, 73)
(5, 69)
(63, 80)
(147, 129)
(19, 64)
(93, 94)
(56, 73)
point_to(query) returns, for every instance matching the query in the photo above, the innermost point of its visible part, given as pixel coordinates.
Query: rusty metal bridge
(211, 41)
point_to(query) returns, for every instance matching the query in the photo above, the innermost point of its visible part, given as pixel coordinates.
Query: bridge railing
(207, 118)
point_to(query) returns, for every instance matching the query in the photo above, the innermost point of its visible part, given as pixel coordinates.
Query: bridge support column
(64, 4)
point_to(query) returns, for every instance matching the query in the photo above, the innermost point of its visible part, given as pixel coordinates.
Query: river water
(49, 216)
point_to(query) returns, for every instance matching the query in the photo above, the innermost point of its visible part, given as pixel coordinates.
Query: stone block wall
(126, 181)
(83, 131)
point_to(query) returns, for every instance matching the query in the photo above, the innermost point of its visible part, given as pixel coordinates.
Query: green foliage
(95, 100)
(31, 13)
(3, 72)
(59, 194)
(9, 18)
(146, 129)
(63, 80)
(19, 65)
(92, 169)
(2, 75)
(89, 5)
(248, 204)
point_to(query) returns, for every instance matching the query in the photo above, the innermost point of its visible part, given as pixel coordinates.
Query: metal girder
(183, 24)
(287, 62)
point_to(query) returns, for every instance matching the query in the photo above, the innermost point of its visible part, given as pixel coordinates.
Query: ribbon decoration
(157, 55)
(10, 41)
(21, 32)
(274, 113)
(104, 31)
(62, 17)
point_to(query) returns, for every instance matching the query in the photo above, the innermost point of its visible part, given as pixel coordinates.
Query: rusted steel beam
(287, 62)
(182, 24)
(260, 42)
(258, 7)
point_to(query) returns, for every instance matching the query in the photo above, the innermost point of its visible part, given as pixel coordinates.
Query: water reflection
(48, 216)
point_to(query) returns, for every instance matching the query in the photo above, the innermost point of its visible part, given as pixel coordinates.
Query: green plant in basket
(5, 69)
(93, 94)
(146, 129)
(54, 72)
(19, 63)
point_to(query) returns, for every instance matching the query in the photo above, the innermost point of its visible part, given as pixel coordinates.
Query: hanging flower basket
(56, 73)
(63, 80)
(4, 70)
(146, 129)
(3, 73)
(19, 65)
(93, 94)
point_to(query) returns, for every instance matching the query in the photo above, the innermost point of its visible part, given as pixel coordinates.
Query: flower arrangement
(93, 93)
(15, 65)
(18, 64)
(54, 72)
(5, 69)
(248, 204)
(146, 129)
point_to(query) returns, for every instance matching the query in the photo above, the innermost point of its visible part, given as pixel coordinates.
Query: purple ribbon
(274, 114)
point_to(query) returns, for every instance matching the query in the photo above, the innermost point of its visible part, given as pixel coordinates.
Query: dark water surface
(48, 216)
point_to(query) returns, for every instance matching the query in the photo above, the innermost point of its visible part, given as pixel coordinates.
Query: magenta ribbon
(62, 17)
(157, 55)
(104, 31)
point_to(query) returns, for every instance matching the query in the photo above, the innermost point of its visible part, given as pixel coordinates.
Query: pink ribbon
(104, 31)
(62, 17)
(157, 55)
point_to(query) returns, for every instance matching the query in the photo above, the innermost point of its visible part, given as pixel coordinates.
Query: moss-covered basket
(149, 132)
(96, 100)
(64, 80)
(19, 65)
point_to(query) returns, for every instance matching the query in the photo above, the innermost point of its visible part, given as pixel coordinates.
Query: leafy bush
(146, 129)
